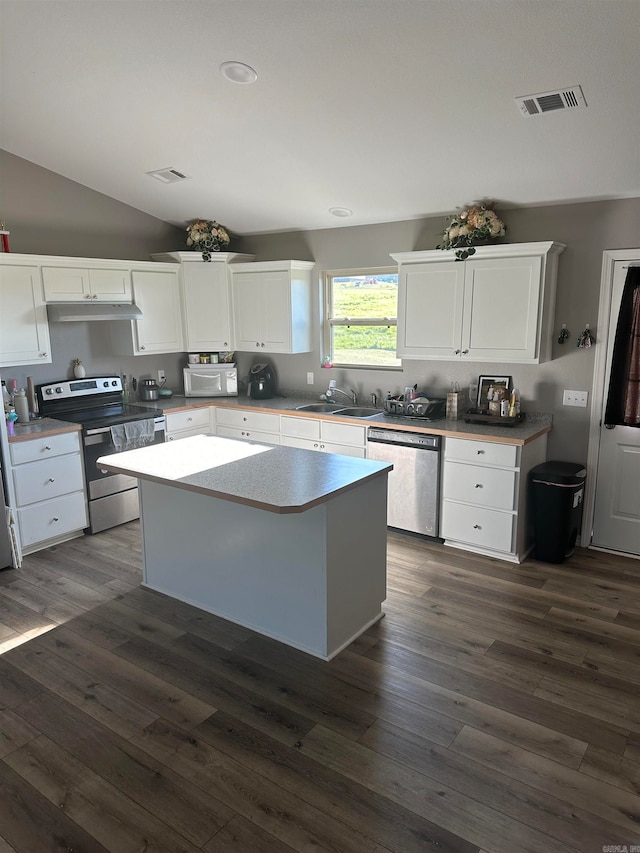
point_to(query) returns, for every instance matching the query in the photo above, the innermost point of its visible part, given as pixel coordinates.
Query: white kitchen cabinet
(24, 328)
(323, 436)
(272, 306)
(48, 478)
(105, 282)
(206, 298)
(484, 496)
(497, 306)
(240, 423)
(156, 291)
(191, 422)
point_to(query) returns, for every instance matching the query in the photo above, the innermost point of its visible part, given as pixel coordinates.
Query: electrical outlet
(575, 398)
(309, 378)
(161, 376)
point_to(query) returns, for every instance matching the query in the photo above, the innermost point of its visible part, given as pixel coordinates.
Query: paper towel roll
(31, 395)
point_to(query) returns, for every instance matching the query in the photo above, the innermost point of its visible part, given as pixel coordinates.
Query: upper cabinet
(156, 291)
(206, 298)
(497, 306)
(271, 306)
(103, 282)
(24, 330)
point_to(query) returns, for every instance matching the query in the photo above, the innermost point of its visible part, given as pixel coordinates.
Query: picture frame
(483, 387)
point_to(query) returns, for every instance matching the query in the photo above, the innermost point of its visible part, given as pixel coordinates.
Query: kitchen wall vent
(547, 102)
(169, 176)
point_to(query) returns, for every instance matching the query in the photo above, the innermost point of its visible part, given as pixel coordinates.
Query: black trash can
(557, 493)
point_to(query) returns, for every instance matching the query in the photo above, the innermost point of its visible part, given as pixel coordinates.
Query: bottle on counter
(21, 406)
(514, 403)
(6, 398)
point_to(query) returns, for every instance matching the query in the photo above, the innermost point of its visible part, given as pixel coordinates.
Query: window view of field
(365, 297)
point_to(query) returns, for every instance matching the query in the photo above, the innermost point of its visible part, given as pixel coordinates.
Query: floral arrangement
(473, 225)
(206, 236)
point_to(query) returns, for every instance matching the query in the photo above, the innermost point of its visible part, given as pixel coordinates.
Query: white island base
(314, 580)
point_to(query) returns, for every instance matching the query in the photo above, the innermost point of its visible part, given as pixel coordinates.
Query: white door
(616, 522)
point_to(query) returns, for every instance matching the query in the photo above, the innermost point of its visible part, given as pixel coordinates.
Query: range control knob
(49, 391)
(114, 381)
(105, 384)
(58, 390)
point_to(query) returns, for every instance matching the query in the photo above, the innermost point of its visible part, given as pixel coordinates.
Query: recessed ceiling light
(341, 211)
(238, 72)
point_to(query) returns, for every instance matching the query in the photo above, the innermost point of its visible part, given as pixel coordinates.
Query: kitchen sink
(319, 407)
(358, 412)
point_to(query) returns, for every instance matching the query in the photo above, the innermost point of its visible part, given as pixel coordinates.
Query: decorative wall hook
(586, 339)
(564, 334)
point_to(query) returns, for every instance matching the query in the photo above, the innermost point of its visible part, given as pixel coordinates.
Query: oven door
(113, 498)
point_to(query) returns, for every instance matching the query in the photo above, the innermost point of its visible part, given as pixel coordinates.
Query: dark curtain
(623, 402)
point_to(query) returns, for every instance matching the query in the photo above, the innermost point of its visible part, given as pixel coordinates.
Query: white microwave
(211, 380)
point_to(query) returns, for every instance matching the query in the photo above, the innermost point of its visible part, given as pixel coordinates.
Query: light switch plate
(575, 398)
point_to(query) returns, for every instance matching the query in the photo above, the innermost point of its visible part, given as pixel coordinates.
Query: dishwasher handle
(418, 440)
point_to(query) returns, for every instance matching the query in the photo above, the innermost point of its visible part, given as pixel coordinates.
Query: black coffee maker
(262, 382)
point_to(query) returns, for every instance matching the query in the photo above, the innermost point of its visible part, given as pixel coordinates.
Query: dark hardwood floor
(495, 708)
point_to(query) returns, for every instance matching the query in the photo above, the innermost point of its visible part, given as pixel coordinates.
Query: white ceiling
(396, 109)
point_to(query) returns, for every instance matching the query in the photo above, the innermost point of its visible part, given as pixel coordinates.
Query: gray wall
(48, 214)
(587, 229)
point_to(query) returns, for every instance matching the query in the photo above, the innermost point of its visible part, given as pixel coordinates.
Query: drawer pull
(478, 486)
(480, 452)
(55, 518)
(189, 419)
(477, 527)
(47, 447)
(52, 479)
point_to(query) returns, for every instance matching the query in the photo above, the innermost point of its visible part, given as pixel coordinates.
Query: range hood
(70, 312)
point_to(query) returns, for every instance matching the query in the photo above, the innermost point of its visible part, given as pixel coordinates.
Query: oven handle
(93, 436)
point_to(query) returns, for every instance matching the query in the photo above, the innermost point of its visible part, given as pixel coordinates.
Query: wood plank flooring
(495, 709)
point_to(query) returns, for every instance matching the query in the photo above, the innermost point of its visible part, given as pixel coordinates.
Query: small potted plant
(78, 369)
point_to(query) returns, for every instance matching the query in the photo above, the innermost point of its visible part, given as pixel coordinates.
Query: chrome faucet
(331, 390)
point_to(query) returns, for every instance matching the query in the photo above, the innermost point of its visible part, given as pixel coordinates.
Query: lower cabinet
(48, 477)
(191, 422)
(323, 436)
(484, 496)
(240, 423)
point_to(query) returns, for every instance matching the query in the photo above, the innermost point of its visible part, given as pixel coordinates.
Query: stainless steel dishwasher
(414, 483)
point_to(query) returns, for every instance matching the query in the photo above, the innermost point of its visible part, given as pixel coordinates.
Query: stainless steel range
(109, 425)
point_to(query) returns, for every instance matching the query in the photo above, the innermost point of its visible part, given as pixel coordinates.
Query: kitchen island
(287, 542)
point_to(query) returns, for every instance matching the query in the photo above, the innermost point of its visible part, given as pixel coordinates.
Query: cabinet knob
(47, 447)
(315, 444)
(55, 518)
(170, 438)
(457, 352)
(88, 296)
(465, 351)
(52, 479)
(478, 485)
(262, 344)
(322, 446)
(480, 452)
(477, 527)
(43, 355)
(189, 419)
(244, 419)
(257, 343)
(95, 296)
(141, 347)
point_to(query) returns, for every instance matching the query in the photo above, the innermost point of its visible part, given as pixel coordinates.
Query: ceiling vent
(547, 102)
(168, 176)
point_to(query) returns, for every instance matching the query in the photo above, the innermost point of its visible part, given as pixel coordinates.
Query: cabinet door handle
(477, 527)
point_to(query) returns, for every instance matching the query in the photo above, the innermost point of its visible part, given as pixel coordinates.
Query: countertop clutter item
(421, 406)
(148, 389)
(262, 382)
(21, 406)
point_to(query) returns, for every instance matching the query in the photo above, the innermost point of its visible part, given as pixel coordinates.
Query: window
(361, 312)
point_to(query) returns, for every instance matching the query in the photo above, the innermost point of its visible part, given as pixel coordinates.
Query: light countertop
(41, 428)
(274, 478)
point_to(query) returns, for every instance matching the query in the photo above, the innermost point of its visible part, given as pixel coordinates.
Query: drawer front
(300, 427)
(247, 420)
(486, 528)
(484, 452)
(42, 448)
(344, 449)
(192, 419)
(43, 521)
(475, 484)
(343, 433)
(249, 434)
(48, 478)
(182, 433)
(302, 443)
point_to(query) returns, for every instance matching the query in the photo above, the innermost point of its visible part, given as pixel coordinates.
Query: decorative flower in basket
(207, 236)
(473, 226)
